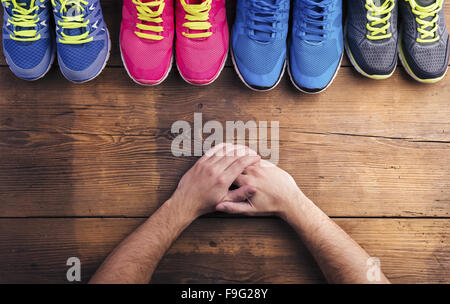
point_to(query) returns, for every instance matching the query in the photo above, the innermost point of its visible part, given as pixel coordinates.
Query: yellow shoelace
(373, 15)
(147, 14)
(25, 18)
(427, 28)
(73, 22)
(198, 16)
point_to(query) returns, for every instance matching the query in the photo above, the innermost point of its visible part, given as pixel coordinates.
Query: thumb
(235, 207)
(241, 194)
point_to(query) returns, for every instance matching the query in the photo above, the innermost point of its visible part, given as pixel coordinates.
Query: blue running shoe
(28, 45)
(82, 38)
(316, 44)
(259, 42)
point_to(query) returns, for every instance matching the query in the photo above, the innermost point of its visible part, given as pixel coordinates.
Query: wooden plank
(54, 174)
(112, 104)
(222, 250)
(112, 11)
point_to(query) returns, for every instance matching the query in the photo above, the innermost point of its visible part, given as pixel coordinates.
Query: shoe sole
(101, 70)
(315, 91)
(405, 65)
(256, 88)
(146, 84)
(207, 83)
(357, 67)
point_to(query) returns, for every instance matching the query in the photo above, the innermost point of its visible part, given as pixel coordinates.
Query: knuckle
(251, 170)
(210, 171)
(221, 180)
(242, 161)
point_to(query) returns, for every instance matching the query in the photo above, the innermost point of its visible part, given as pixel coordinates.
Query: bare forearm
(340, 258)
(136, 258)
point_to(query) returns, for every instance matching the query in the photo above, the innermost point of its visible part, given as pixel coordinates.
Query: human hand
(274, 191)
(207, 183)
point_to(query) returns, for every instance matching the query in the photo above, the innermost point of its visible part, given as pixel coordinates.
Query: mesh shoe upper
(373, 56)
(26, 55)
(314, 63)
(426, 60)
(259, 40)
(257, 57)
(316, 43)
(80, 57)
(82, 49)
(202, 39)
(140, 37)
(29, 55)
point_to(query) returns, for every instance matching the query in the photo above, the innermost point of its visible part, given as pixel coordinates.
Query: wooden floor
(82, 165)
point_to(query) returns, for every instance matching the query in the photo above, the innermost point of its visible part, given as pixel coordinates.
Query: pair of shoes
(82, 39)
(373, 41)
(260, 43)
(147, 36)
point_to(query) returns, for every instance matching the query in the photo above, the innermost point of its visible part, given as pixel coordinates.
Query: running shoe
(201, 39)
(28, 45)
(424, 43)
(146, 40)
(316, 44)
(371, 37)
(259, 42)
(82, 38)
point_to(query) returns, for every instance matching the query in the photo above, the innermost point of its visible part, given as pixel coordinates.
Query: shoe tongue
(317, 9)
(261, 34)
(425, 3)
(194, 1)
(74, 10)
(23, 4)
(379, 3)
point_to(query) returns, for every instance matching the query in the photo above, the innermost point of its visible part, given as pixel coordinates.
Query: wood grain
(398, 108)
(378, 151)
(53, 174)
(363, 148)
(222, 250)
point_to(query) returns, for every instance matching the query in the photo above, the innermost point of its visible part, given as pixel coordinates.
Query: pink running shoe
(146, 39)
(202, 39)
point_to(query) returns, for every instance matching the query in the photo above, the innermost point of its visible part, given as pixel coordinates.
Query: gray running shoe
(371, 37)
(424, 43)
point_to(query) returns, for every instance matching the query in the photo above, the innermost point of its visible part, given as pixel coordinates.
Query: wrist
(294, 207)
(183, 208)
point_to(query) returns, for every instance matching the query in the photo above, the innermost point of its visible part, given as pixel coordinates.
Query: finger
(242, 180)
(235, 208)
(239, 151)
(213, 150)
(251, 169)
(231, 154)
(236, 168)
(221, 153)
(266, 163)
(240, 195)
